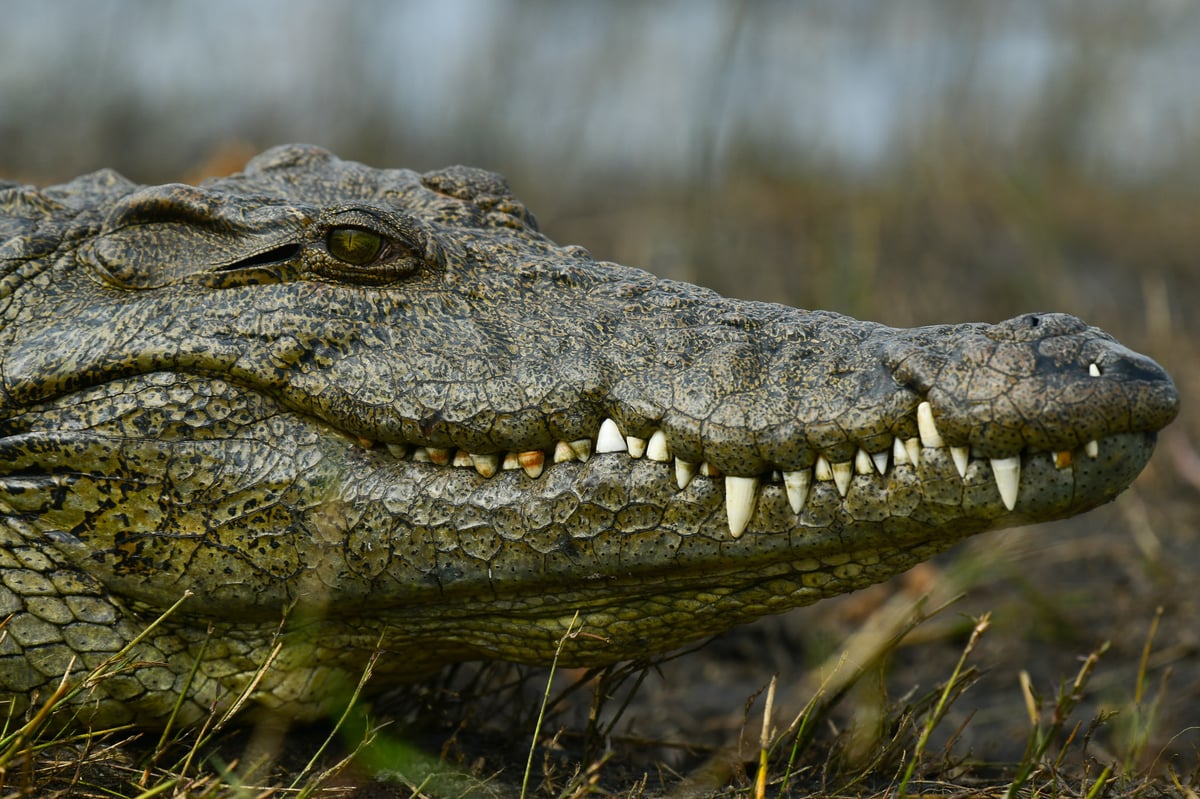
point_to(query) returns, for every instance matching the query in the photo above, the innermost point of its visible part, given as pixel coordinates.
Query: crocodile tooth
(1007, 472)
(486, 465)
(532, 461)
(440, 455)
(462, 459)
(511, 462)
(398, 450)
(962, 457)
(637, 446)
(1092, 448)
(563, 452)
(899, 453)
(1093, 370)
(913, 447)
(421, 455)
(656, 448)
(842, 472)
(739, 502)
(930, 437)
(862, 462)
(609, 439)
(708, 470)
(684, 472)
(797, 484)
(583, 449)
(881, 461)
(822, 471)
(1062, 459)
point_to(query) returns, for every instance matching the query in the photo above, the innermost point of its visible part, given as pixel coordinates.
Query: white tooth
(842, 472)
(899, 453)
(880, 459)
(583, 449)
(609, 439)
(822, 471)
(739, 502)
(708, 470)
(1093, 370)
(511, 462)
(961, 456)
(462, 459)
(656, 449)
(533, 462)
(930, 437)
(1092, 448)
(797, 484)
(684, 472)
(563, 452)
(862, 462)
(637, 446)
(913, 447)
(486, 465)
(421, 455)
(440, 455)
(1007, 472)
(398, 450)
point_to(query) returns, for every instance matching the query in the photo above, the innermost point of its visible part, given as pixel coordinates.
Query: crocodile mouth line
(741, 492)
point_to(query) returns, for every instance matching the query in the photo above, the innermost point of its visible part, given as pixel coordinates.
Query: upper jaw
(992, 400)
(903, 410)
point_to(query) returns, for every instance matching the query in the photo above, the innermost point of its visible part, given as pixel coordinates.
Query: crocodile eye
(354, 245)
(367, 246)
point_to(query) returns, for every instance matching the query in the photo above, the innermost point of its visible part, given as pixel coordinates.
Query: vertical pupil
(354, 246)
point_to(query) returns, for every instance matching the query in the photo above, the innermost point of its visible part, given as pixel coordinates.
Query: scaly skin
(375, 401)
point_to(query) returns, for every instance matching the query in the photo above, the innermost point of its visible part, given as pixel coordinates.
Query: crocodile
(257, 432)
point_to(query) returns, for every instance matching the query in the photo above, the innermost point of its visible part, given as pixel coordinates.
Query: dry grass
(848, 737)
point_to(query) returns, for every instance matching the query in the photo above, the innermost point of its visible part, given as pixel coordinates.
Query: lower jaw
(614, 524)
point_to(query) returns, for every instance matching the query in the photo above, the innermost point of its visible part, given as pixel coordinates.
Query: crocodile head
(383, 402)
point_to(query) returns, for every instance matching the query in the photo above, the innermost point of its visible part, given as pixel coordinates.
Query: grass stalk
(939, 711)
(537, 730)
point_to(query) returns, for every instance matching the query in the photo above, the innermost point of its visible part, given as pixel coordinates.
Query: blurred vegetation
(604, 95)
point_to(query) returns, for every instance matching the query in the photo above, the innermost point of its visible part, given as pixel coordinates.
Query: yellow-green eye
(354, 245)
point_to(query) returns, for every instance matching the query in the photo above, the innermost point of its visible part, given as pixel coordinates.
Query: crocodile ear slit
(274, 265)
(276, 255)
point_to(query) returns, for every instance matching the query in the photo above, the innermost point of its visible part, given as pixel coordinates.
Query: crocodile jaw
(267, 507)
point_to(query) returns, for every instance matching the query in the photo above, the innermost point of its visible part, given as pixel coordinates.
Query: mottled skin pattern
(292, 391)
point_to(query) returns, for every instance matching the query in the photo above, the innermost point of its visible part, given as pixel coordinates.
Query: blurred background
(623, 91)
(918, 162)
(770, 149)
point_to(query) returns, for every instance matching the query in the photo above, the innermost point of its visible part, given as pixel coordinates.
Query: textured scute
(208, 398)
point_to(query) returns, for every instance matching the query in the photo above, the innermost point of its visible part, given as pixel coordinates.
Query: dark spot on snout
(1131, 367)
